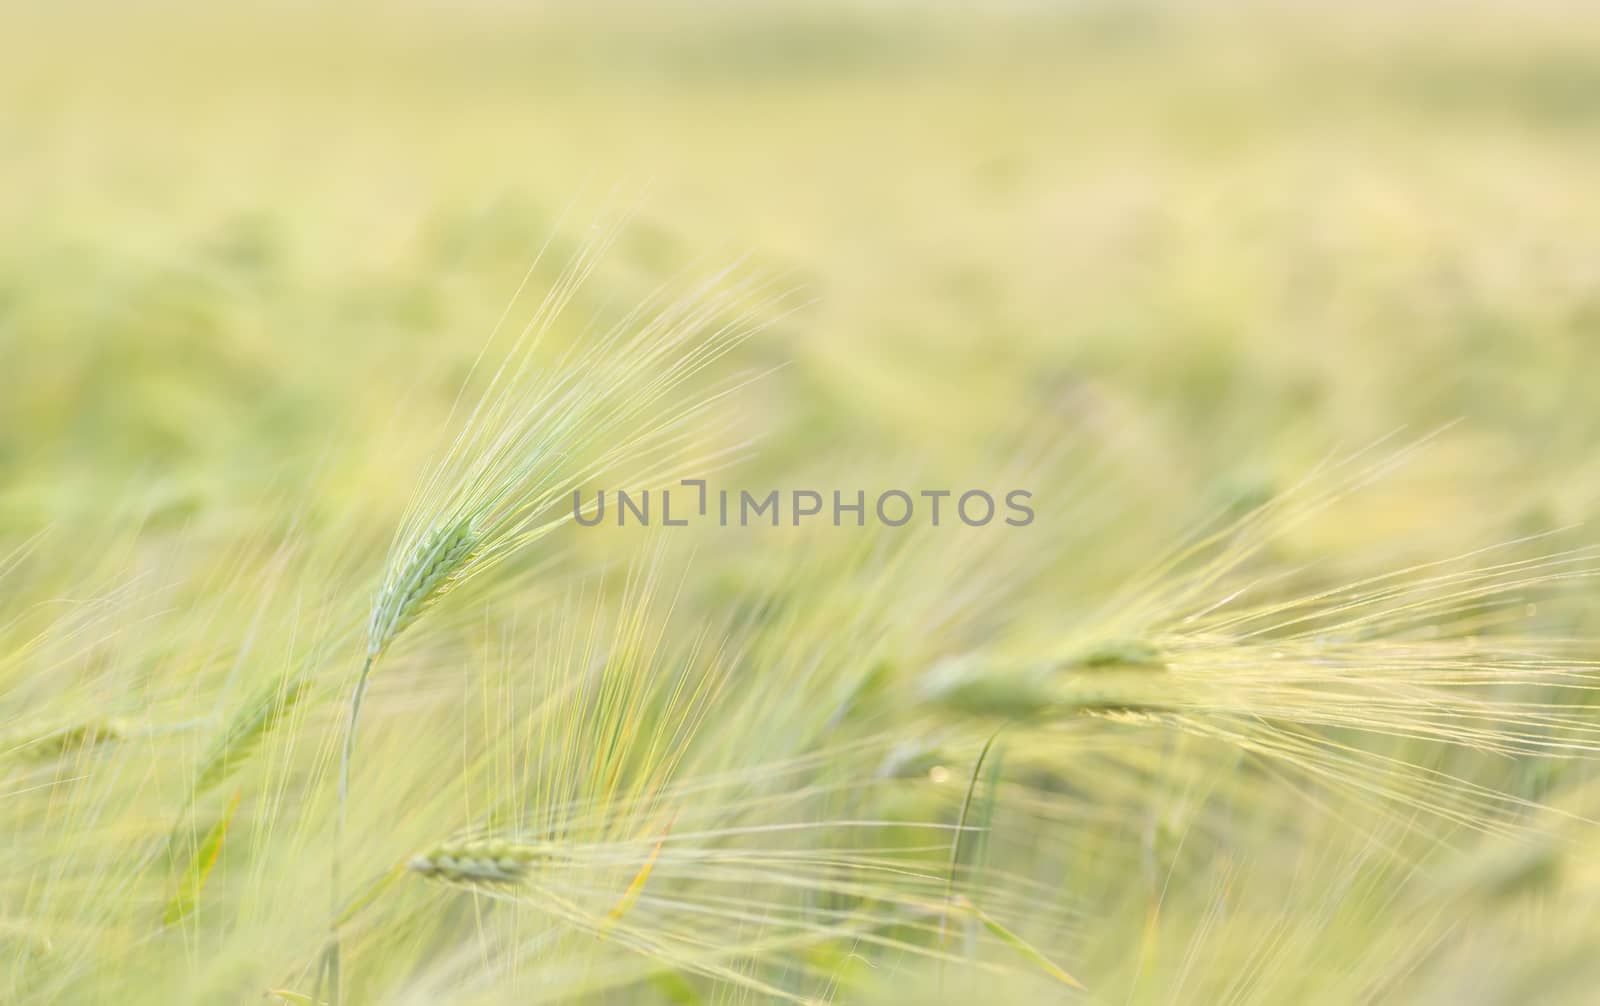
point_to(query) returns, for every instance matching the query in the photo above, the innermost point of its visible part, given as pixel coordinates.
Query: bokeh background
(1254, 232)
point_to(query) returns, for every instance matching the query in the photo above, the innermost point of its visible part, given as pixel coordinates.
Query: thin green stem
(961, 826)
(966, 807)
(329, 969)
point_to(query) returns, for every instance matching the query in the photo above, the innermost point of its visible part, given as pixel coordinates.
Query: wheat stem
(330, 963)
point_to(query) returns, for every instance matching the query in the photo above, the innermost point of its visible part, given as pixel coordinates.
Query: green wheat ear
(480, 862)
(70, 739)
(1119, 653)
(974, 685)
(434, 566)
(244, 734)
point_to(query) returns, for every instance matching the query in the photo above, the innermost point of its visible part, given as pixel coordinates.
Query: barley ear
(428, 573)
(1119, 653)
(480, 862)
(69, 740)
(252, 723)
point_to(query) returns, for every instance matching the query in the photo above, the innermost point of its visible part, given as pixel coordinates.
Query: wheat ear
(493, 861)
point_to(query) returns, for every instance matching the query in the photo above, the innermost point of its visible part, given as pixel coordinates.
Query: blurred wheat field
(1285, 317)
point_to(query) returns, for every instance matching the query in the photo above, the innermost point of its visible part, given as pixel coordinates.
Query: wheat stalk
(525, 446)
